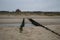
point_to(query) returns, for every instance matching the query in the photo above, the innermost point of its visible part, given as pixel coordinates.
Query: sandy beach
(29, 33)
(29, 19)
(32, 32)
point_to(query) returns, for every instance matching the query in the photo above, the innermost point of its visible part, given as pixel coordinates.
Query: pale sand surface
(40, 19)
(29, 33)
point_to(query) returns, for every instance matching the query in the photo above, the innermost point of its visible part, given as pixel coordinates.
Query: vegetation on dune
(19, 12)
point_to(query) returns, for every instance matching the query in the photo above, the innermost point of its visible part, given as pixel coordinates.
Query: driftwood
(38, 24)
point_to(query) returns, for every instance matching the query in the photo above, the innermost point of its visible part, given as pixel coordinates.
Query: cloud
(30, 5)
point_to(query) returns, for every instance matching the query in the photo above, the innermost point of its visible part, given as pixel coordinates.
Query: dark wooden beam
(22, 25)
(38, 24)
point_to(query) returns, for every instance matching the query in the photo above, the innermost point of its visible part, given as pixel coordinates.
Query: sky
(30, 5)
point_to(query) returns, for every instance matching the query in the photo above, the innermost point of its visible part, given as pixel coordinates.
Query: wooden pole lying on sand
(22, 25)
(37, 24)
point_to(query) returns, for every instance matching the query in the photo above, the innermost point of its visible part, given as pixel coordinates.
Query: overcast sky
(30, 5)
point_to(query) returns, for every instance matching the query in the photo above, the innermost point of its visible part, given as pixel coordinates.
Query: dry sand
(29, 33)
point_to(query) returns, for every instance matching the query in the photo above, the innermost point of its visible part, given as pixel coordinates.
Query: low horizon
(31, 11)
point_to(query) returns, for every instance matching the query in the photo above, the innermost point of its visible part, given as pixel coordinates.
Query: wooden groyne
(22, 25)
(38, 24)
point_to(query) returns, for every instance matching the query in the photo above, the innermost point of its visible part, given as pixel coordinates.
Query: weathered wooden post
(22, 25)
